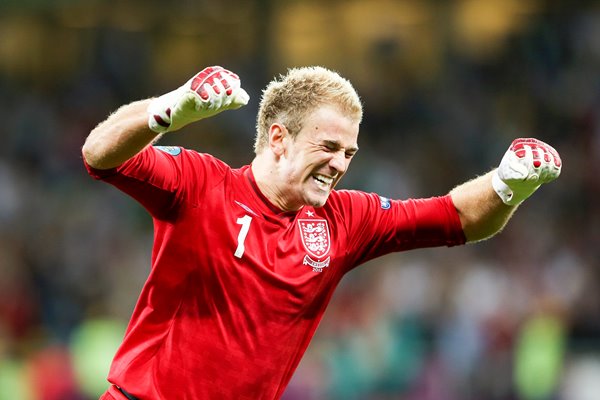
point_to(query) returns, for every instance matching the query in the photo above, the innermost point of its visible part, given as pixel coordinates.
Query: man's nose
(338, 162)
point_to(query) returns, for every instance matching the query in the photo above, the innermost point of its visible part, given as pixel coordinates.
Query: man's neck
(269, 180)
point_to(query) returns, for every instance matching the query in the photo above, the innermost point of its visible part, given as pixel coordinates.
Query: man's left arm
(486, 203)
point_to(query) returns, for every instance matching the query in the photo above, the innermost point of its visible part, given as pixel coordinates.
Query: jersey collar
(267, 207)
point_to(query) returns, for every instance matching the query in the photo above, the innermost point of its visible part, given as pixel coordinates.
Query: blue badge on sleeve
(172, 150)
(385, 203)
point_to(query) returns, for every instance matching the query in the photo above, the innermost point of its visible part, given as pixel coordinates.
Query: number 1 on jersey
(245, 223)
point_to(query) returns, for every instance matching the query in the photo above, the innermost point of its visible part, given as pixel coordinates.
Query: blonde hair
(291, 98)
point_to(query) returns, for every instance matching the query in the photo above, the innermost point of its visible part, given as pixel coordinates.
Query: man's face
(316, 159)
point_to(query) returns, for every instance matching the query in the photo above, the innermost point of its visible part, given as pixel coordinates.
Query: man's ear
(277, 138)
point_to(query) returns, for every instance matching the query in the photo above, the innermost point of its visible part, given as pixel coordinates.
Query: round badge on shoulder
(172, 150)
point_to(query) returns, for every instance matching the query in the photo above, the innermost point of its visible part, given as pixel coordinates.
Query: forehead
(329, 124)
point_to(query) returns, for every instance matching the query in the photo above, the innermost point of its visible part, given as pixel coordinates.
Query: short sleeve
(163, 178)
(376, 225)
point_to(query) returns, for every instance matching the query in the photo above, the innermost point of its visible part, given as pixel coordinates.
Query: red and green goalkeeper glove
(209, 92)
(526, 165)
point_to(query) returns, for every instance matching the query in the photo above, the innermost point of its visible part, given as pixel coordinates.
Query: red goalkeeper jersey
(237, 287)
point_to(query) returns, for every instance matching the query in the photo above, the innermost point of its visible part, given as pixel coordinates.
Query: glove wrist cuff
(154, 123)
(503, 191)
(160, 110)
(159, 115)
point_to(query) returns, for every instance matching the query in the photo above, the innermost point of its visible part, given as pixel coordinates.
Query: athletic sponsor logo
(245, 207)
(315, 239)
(172, 150)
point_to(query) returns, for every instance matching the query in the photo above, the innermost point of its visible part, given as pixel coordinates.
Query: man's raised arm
(485, 204)
(134, 126)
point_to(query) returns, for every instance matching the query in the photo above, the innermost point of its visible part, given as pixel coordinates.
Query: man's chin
(317, 201)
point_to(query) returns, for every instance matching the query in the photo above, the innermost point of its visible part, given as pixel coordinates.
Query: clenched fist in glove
(525, 166)
(212, 90)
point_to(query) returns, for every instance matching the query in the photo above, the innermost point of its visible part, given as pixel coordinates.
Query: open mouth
(324, 182)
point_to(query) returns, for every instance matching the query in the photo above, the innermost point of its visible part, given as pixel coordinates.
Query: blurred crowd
(513, 318)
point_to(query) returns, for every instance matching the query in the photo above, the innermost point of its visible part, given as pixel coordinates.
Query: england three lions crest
(316, 240)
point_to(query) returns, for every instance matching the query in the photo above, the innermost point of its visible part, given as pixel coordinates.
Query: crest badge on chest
(316, 241)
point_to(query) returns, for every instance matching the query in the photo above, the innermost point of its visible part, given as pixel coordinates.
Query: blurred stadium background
(446, 85)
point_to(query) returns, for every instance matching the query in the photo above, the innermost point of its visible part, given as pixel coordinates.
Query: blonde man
(245, 260)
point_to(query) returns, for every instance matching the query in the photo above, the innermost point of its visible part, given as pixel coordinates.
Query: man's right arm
(123, 135)
(134, 126)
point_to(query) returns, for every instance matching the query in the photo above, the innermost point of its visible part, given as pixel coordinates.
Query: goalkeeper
(245, 260)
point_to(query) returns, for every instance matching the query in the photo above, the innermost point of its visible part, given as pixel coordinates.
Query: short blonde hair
(291, 98)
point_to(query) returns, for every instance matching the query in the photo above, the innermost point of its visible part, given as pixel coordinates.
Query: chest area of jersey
(303, 243)
(307, 242)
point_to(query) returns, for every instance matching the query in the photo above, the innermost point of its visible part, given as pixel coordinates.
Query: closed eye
(333, 146)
